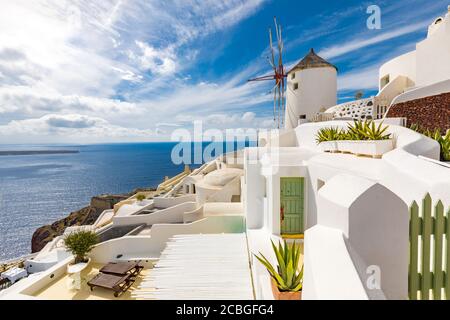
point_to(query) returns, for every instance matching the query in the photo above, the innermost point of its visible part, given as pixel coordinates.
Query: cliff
(84, 216)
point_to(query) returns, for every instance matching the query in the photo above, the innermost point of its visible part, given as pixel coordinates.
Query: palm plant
(286, 274)
(80, 244)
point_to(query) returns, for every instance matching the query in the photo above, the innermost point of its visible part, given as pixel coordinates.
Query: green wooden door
(292, 192)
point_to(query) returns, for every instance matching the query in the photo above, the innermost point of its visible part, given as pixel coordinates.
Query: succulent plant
(359, 130)
(286, 274)
(443, 140)
(368, 130)
(328, 134)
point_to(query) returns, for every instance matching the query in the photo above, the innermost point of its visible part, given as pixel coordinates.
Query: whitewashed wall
(317, 89)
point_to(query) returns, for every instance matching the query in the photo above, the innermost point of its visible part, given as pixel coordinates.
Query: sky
(84, 71)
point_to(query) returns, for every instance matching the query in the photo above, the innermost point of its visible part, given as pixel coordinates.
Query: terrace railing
(429, 265)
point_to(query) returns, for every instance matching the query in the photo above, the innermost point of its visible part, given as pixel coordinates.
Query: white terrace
(200, 267)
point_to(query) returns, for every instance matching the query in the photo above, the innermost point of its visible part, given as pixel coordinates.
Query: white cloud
(24, 100)
(366, 78)
(353, 45)
(222, 121)
(71, 127)
(162, 62)
(60, 57)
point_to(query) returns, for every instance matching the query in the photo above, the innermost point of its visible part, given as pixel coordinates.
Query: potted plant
(372, 140)
(361, 138)
(286, 280)
(80, 244)
(327, 137)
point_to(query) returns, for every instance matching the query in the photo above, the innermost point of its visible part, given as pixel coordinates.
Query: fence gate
(429, 265)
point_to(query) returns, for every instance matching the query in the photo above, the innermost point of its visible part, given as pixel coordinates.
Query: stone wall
(429, 113)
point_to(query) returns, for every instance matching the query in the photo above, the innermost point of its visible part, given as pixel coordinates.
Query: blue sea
(36, 190)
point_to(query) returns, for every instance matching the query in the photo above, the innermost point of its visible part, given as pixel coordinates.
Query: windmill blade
(283, 101)
(272, 62)
(280, 47)
(263, 78)
(276, 29)
(274, 87)
(278, 106)
(274, 103)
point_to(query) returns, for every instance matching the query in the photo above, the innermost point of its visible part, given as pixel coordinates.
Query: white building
(352, 213)
(302, 101)
(428, 64)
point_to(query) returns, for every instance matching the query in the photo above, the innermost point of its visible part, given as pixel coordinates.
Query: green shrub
(445, 146)
(140, 197)
(286, 274)
(80, 244)
(443, 140)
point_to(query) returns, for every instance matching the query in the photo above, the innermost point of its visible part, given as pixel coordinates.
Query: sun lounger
(122, 268)
(117, 283)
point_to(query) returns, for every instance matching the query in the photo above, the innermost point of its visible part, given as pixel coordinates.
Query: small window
(295, 86)
(438, 20)
(320, 184)
(384, 81)
(293, 76)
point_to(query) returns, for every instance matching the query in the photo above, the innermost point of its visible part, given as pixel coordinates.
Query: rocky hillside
(84, 216)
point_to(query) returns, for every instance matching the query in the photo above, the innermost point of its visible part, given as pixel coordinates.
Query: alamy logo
(374, 279)
(374, 20)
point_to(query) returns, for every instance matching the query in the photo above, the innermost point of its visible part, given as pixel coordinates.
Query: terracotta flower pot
(284, 295)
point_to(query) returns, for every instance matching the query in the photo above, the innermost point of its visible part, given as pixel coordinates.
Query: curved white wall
(170, 215)
(429, 63)
(317, 89)
(422, 92)
(151, 246)
(404, 65)
(433, 55)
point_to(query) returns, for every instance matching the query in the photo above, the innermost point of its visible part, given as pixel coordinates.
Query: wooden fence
(429, 265)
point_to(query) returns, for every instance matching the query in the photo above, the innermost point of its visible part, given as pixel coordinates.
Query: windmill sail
(279, 101)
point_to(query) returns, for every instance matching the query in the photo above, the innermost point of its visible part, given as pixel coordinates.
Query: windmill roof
(312, 60)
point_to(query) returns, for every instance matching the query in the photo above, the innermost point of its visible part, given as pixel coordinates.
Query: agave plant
(356, 131)
(443, 140)
(368, 130)
(286, 274)
(445, 146)
(328, 134)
